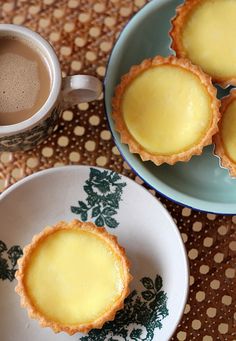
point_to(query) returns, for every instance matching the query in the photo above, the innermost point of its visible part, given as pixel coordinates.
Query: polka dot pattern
(83, 33)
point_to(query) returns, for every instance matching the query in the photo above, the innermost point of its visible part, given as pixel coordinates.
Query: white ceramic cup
(64, 92)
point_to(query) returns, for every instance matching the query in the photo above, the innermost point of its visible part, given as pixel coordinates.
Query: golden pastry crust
(125, 135)
(219, 150)
(22, 290)
(175, 33)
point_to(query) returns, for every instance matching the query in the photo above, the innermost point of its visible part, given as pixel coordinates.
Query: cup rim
(55, 70)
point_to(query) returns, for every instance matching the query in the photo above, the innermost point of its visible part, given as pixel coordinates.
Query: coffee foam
(19, 77)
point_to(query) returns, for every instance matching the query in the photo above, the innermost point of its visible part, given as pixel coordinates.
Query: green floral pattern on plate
(142, 314)
(8, 260)
(145, 309)
(104, 191)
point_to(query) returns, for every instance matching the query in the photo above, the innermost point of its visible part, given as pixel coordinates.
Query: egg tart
(204, 32)
(225, 140)
(166, 110)
(73, 277)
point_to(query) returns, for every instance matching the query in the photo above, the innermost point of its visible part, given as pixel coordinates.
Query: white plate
(143, 227)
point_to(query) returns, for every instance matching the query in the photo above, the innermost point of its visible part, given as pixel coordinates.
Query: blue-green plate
(199, 183)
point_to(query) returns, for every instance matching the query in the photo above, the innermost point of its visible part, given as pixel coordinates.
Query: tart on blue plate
(166, 110)
(204, 32)
(225, 140)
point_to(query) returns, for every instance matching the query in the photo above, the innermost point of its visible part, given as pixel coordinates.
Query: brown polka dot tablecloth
(83, 33)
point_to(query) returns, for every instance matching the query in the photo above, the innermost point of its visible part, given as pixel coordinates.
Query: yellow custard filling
(209, 37)
(228, 131)
(74, 276)
(166, 109)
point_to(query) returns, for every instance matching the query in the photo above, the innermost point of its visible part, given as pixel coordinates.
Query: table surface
(83, 33)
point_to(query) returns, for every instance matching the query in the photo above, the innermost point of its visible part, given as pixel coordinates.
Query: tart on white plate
(73, 277)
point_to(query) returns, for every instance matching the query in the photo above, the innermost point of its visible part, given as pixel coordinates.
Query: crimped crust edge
(177, 23)
(56, 326)
(219, 150)
(125, 135)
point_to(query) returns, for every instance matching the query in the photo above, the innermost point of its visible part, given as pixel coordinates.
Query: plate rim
(170, 193)
(174, 227)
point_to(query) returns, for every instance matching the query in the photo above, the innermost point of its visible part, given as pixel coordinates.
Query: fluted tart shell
(31, 307)
(220, 151)
(133, 144)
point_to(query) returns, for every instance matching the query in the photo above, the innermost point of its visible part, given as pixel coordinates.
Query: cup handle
(79, 89)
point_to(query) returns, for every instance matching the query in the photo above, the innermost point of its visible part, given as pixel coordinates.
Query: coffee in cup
(33, 93)
(25, 80)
